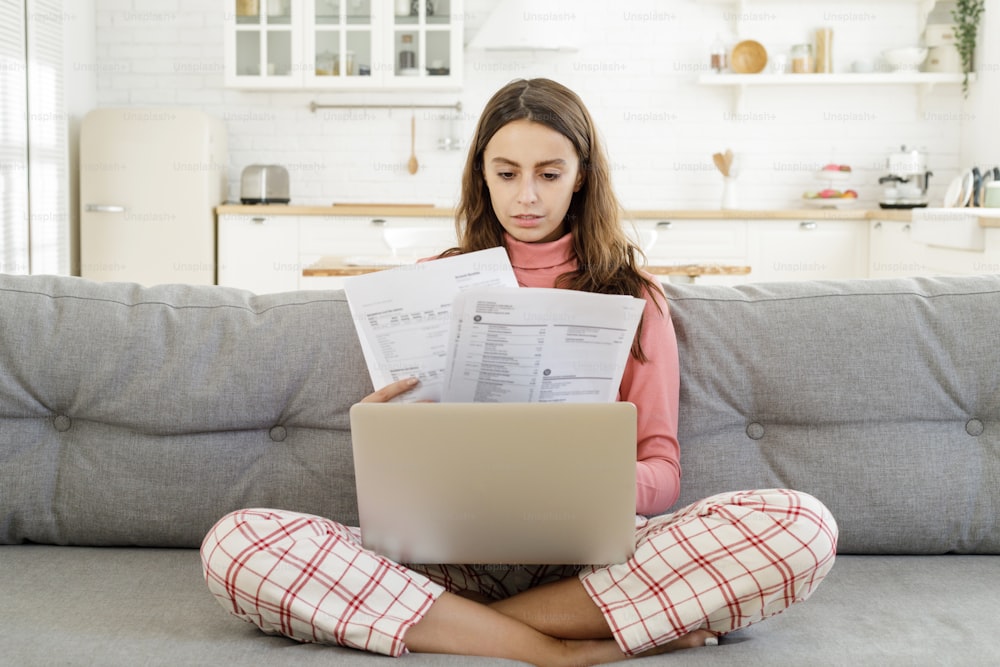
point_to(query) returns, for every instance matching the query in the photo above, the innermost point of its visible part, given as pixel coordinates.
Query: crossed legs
(553, 624)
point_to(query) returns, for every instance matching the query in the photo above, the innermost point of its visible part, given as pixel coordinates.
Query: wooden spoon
(412, 165)
(720, 163)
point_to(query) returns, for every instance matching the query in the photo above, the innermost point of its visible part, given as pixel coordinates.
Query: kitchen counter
(422, 210)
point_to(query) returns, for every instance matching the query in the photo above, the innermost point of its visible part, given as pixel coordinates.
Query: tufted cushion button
(278, 433)
(755, 430)
(974, 427)
(62, 423)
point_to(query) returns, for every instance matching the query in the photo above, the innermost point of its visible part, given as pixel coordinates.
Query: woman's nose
(527, 193)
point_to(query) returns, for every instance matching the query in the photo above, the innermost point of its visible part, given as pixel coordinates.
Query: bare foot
(600, 651)
(692, 639)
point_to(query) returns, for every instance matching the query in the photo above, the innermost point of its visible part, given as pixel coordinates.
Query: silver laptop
(497, 483)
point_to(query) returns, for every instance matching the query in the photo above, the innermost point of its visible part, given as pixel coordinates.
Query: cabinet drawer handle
(378, 221)
(808, 225)
(878, 225)
(664, 224)
(259, 221)
(105, 208)
(906, 227)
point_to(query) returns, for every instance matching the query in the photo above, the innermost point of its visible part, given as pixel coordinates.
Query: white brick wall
(637, 71)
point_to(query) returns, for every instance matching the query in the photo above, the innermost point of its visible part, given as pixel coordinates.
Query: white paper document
(403, 315)
(539, 345)
(470, 334)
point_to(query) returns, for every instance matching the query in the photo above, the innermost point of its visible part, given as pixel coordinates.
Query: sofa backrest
(140, 416)
(880, 397)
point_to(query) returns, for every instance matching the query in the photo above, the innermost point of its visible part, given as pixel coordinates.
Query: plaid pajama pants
(720, 564)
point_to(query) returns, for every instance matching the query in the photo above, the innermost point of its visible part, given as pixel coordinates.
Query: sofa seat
(143, 606)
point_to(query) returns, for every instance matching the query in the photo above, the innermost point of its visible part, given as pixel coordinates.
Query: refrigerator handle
(105, 208)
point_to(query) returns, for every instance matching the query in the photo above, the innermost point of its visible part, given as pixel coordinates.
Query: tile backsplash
(637, 69)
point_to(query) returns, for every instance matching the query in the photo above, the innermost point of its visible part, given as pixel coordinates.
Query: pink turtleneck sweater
(653, 386)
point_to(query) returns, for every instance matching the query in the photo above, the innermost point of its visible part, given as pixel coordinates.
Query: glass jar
(802, 59)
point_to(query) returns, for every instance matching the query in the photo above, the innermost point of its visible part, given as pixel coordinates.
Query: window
(34, 171)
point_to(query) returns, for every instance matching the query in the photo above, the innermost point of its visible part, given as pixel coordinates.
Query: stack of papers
(464, 328)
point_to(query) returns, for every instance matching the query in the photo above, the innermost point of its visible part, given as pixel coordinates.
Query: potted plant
(966, 14)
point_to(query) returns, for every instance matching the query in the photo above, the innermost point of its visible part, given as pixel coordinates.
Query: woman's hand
(391, 391)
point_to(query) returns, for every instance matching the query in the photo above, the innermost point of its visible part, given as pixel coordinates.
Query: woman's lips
(528, 220)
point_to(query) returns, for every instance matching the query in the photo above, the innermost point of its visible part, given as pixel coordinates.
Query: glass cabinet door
(265, 42)
(423, 33)
(342, 37)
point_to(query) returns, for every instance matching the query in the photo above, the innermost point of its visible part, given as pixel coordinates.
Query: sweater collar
(540, 255)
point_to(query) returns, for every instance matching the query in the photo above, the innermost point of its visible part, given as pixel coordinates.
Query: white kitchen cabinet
(344, 44)
(892, 252)
(895, 253)
(259, 253)
(268, 253)
(669, 242)
(263, 44)
(782, 250)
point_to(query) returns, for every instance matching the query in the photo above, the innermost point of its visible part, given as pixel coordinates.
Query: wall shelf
(924, 81)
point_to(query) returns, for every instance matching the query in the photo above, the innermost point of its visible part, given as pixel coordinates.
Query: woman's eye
(506, 175)
(550, 176)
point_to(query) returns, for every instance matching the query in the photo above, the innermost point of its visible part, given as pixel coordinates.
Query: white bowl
(906, 59)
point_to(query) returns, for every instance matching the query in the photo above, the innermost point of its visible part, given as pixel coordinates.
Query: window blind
(48, 168)
(34, 167)
(14, 241)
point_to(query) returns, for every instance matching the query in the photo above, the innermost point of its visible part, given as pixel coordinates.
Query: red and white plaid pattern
(720, 564)
(308, 578)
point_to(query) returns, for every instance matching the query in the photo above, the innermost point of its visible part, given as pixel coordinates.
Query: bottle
(718, 55)
(824, 50)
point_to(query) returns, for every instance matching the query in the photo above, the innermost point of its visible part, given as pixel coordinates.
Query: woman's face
(531, 172)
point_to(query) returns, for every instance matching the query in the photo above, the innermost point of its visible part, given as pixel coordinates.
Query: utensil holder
(730, 193)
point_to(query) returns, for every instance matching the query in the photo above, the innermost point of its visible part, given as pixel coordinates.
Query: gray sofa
(131, 419)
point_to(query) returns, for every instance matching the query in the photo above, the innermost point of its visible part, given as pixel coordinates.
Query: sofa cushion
(139, 416)
(123, 607)
(880, 397)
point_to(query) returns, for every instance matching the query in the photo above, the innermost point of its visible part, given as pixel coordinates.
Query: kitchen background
(637, 67)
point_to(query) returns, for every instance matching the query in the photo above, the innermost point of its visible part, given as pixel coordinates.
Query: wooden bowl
(748, 57)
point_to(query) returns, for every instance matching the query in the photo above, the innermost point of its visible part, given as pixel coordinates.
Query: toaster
(264, 184)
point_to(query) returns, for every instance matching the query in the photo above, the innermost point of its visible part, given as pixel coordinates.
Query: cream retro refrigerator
(150, 180)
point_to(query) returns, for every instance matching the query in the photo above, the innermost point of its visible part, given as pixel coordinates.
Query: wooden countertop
(421, 210)
(332, 266)
(428, 211)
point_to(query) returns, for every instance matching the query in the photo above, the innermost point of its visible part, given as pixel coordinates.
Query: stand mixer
(907, 180)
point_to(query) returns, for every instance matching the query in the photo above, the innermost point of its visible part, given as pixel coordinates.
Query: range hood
(525, 25)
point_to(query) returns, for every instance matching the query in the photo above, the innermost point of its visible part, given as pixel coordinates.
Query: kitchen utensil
(730, 194)
(412, 165)
(748, 57)
(968, 180)
(977, 181)
(720, 163)
(729, 162)
(264, 184)
(953, 195)
(987, 177)
(907, 59)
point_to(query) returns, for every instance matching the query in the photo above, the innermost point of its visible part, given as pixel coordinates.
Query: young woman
(536, 182)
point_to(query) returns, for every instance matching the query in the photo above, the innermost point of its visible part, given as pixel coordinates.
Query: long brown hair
(608, 261)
